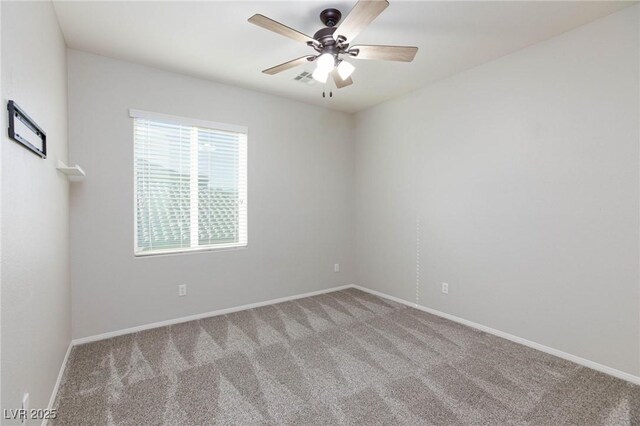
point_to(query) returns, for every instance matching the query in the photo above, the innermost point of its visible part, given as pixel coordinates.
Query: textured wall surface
(36, 301)
(300, 208)
(523, 175)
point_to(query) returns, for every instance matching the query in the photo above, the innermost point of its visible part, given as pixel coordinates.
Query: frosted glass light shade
(325, 62)
(320, 75)
(345, 69)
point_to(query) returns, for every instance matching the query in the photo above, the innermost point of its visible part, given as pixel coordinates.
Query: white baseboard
(52, 400)
(110, 334)
(556, 352)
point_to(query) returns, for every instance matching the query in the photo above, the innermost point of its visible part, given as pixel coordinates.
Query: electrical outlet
(182, 290)
(336, 267)
(445, 288)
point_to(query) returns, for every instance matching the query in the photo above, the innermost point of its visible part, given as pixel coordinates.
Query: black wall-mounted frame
(16, 113)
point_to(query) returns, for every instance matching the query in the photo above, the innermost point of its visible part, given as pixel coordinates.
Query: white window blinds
(190, 184)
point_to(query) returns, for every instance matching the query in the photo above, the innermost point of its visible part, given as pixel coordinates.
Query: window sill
(171, 252)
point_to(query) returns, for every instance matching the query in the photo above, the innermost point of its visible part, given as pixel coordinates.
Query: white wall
(300, 176)
(523, 173)
(36, 305)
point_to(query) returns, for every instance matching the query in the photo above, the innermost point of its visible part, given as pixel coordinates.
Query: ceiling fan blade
(340, 83)
(385, 53)
(277, 27)
(362, 14)
(288, 65)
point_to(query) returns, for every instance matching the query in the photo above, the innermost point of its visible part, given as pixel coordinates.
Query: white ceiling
(213, 40)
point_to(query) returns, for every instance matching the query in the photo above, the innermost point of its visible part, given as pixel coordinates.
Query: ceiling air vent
(304, 77)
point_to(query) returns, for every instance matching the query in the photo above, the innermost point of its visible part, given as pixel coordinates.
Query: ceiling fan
(334, 41)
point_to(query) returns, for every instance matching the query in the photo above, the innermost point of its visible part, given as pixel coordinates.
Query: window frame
(192, 122)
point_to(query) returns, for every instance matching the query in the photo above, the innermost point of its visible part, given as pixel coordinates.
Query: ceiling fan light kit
(335, 40)
(324, 65)
(325, 62)
(320, 75)
(345, 69)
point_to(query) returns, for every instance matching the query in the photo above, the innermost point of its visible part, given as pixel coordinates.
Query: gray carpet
(340, 358)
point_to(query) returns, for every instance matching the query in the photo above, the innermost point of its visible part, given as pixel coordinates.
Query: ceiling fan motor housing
(324, 36)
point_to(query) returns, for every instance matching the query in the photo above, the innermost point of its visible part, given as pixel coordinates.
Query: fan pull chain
(324, 91)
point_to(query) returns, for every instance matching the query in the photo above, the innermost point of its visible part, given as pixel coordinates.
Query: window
(190, 184)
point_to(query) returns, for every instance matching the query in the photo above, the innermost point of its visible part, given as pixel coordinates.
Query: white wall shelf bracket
(75, 171)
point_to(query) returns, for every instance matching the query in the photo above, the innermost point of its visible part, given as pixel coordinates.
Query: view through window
(190, 184)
